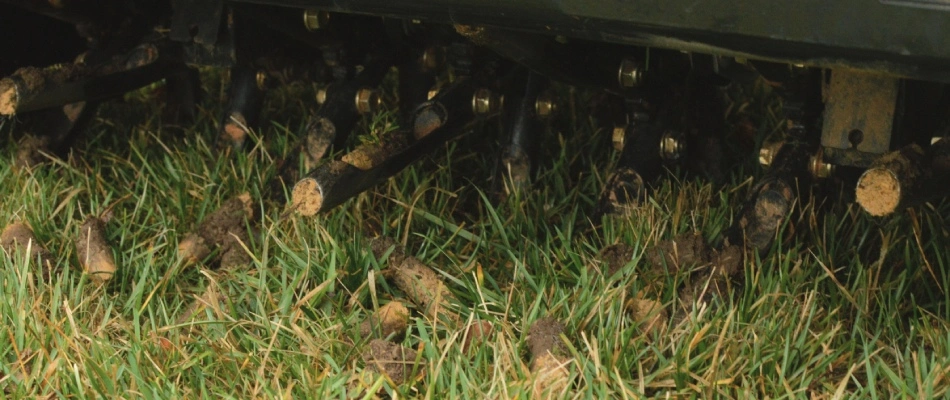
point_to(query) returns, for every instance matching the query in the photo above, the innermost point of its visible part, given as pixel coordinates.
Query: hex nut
(367, 100)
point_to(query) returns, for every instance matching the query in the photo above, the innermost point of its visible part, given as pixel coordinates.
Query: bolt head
(544, 106)
(765, 156)
(630, 74)
(483, 102)
(315, 19)
(261, 79)
(433, 57)
(672, 145)
(819, 168)
(618, 136)
(321, 96)
(768, 151)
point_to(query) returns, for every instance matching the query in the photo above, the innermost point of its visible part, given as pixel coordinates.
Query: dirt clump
(544, 336)
(210, 298)
(370, 155)
(709, 271)
(390, 320)
(380, 245)
(224, 229)
(19, 235)
(395, 361)
(420, 283)
(476, 334)
(728, 261)
(715, 281)
(95, 254)
(615, 257)
(234, 132)
(549, 358)
(682, 251)
(689, 250)
(649, 313)
(31, 151)
(8, 97)
(703, 289)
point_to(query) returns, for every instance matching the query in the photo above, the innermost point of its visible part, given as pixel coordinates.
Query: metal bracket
(859, 114)
(196, 20)
(197, 25)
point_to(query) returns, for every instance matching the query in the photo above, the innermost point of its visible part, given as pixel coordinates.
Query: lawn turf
(843, 305)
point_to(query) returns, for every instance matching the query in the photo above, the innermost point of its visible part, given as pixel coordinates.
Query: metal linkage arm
(342, 105)
(435, 122)
(30, 89)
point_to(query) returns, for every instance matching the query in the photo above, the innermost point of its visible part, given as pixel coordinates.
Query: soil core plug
(420, 282)
(549, 359)
(390, 319)
(19, 235)
(95, 254)
(223, 229)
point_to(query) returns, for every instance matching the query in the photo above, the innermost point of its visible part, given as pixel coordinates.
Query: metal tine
(30, 89)
(435, 122)
(523, 125)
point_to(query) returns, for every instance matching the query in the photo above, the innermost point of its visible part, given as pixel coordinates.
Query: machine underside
(862, 83)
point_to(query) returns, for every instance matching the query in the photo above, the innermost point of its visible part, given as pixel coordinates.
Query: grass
(842, 306)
